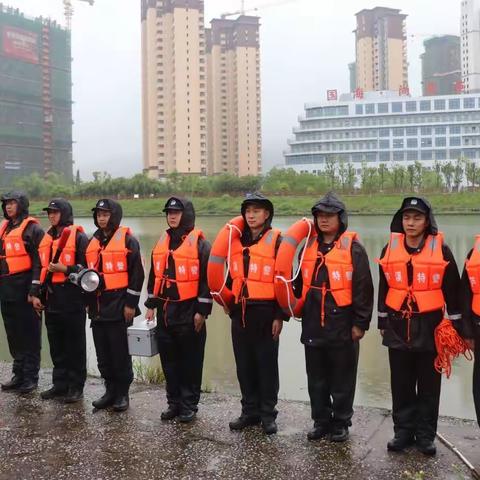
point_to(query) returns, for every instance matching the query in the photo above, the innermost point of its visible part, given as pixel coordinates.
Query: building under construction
(35, 97)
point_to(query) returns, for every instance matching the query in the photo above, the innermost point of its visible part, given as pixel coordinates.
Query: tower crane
(67, 4)
(244, 10)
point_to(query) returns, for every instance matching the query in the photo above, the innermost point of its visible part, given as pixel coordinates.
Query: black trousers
(113, 360)
(332, 377)
(256, 358)
(66, 337)
(181, 352)
(24, 334)
(415, 393)
(476, 377)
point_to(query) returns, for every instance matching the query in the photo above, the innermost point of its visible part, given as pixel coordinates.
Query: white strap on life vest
(299, 268)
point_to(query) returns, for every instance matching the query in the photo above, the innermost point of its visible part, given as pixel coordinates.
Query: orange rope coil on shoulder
(284, 265)
(219, 262)
(449, 345)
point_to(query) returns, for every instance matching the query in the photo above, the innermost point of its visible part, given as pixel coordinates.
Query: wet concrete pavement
(50, 440)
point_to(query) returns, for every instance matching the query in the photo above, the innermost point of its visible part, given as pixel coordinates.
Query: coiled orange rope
(449, 345)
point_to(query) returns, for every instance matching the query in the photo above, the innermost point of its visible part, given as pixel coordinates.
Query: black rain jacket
(175, 313)
(14, 288)
(259, 314)
(338, 323)
(422, 326)
(65, 297)
(109, 305)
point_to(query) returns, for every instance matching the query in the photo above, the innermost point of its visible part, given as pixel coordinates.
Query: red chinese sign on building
(20, 44)
(404, 91)
(358, 94)
(332, 95)
(459, 86)
(431, 88)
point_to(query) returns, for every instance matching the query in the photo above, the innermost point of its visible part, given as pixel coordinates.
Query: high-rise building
(441, 66)
(35, 97)
(233, 74)
(470, 45)
(174, 87)
(352, 69)
(381, 50)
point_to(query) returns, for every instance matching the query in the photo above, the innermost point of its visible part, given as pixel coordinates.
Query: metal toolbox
(141, 339)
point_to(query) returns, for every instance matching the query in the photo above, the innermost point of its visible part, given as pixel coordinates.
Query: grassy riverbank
(465, 203)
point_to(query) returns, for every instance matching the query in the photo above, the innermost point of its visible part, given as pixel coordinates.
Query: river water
(373, 376)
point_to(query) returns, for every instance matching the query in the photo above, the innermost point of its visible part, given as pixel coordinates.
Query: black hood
(22, 201)
(66, 212)
(257, 198)
(113, 207)
(396, 225)
(330, 203)
(187, 222)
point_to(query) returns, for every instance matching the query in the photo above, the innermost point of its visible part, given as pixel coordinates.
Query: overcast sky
(306, 46)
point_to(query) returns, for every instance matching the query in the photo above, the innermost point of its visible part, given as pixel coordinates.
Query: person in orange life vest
(418, 278)
(333, 321)
(178, 291)
(20, 236)
(471, 316)
(65, 309)
(115, 253)
(256, 322)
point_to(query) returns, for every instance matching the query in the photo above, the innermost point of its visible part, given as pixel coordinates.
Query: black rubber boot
(339, 434)
(74, 395)
(170, 413)
(28, 386)
(121, 403)
(12, 384)
(53, 392)
(243, 421)
(106, 400)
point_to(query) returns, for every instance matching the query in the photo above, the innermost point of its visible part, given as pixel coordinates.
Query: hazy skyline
(306, 46)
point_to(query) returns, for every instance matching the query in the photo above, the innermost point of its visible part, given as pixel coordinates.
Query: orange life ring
(284, 265)
(218, 262)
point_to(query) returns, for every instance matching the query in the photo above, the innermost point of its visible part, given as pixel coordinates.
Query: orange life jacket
(17, 258)
(48, 248)
(259, 280)
(114, 267)
(339, 266)
(186, 263)
(428, 270)
(472, 265)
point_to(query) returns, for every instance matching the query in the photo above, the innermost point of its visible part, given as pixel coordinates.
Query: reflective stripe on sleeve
(133, 292)
(204, 300)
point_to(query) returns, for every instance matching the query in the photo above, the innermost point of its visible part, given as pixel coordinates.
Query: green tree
(411, 177)
(437, 168)
(398, 178)
(369, 179)
(351, 178)
(448, 171)
(472, 172)
(382, 175)
(342, 174)
(418, 176)
(331, 171)
(458, 173)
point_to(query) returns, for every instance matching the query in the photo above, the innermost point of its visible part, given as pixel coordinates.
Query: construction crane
(244, 10)
(69, 11)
